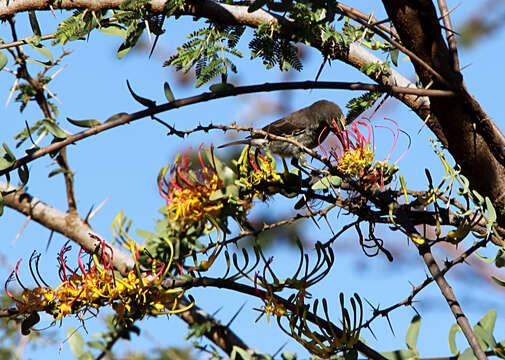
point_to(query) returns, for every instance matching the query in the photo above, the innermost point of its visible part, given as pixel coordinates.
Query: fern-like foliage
(77, 26)
(274, 51)
(207, 52)
(359, 104)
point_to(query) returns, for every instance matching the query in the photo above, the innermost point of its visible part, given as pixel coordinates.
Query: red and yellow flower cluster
(188, 192)
(356, 157)
(91, 286)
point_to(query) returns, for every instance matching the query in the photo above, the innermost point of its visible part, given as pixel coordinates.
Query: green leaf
(116, 116)
(491, 214)
(34, 23)
(46, 64)
(485, 337)
(452, 339)
(23, 173)
(480, 199)
(499, 260)
(5, 164)
(168, 92)
(288, 356)
(485, 258)
(401, 354)
(86, 356)
(9, 155)
(3, 60)
(413, 332)
(140, 99)
(394, 56)
(147, 235)
(97, 345)
(75, 341)
(216, 195)
(57, 171)
(327, 182)
(114, 30)
(241, 352)
(54, 129)
(84, 123)
(467, 355)
(43, 50)
(488, 321)
(132, 36)
(221, 87)
(498, 280)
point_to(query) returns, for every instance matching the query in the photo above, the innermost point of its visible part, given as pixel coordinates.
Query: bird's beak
(339, 124)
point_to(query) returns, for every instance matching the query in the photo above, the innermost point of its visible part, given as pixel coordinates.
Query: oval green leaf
(413, 332)
(5, 164)
(3, 60)
(54, 129)
(84, 123)
(168, 92)
(75, 341)
(221, 87)
(23, 173)
(114, 30)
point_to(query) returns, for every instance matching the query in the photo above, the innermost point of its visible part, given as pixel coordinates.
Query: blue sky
(122, 165)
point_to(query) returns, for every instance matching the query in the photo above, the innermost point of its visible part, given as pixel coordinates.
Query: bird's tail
(238, 142)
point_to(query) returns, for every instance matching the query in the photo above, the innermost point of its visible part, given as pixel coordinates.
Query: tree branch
(127, 118)
(449, 296)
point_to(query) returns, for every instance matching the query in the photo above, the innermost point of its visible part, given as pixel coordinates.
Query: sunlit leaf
(75, 341)
(54, 129)
(488, 321)
(452, 339)
(327, 182)
(467, 355)
(114, 30)
(413, 332)
(5, 164)
(404, 354)
(3, 60)
(84, 123)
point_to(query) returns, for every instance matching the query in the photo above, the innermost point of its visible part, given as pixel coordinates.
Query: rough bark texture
(472, 141)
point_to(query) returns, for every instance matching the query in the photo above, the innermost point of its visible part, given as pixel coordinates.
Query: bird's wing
(282, 127)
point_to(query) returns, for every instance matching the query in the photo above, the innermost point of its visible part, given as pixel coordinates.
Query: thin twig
(449, 34)
(207, 96)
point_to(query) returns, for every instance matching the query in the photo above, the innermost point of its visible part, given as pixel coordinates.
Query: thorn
(235, 315)
(12, 92)
(370, 329)
(49, 241)
(389, 322)
(29, 217)
(98, 208)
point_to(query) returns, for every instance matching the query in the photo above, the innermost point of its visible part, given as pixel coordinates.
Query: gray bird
(309, 126)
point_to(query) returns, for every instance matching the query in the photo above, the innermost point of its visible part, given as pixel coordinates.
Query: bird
(308, 126)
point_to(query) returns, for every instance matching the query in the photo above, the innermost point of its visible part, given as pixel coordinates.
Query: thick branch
(69, 225)
(472, 138)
